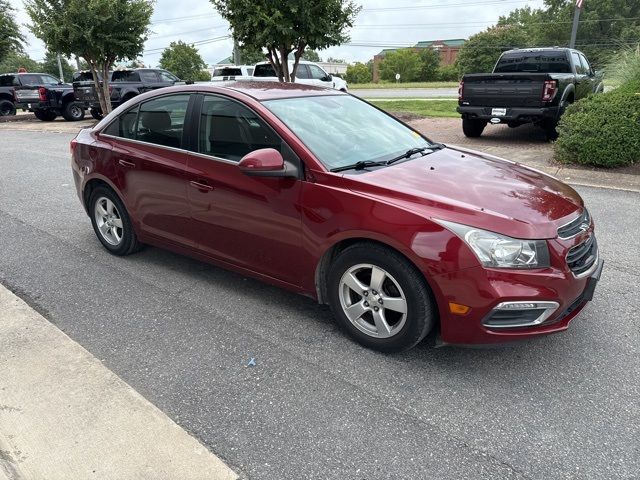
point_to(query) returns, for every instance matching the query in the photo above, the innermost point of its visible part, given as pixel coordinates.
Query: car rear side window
(124, 126)
(161, 120)
(264, 70)
(230, 130)
(303, 72)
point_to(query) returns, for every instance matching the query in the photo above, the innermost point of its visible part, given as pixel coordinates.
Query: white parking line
(64, 415)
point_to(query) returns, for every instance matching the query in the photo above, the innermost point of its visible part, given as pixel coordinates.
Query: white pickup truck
(308, 73)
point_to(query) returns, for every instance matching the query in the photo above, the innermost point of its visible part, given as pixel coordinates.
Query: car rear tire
(111, 222)
(473, 128)
(7, 108)
(45, 115)
(96, 113)
(380, 298)
(73, 111)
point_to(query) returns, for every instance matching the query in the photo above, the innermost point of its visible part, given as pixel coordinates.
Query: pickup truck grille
(583, 256)
(573, 228)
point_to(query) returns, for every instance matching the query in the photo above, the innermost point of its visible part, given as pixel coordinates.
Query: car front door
(251, 222)
(303, 76)
(320, 77)
(593, 81)
(149, 157)
(583, 82)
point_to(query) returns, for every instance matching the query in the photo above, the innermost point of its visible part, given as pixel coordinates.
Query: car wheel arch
(94, 183)
(324, 264)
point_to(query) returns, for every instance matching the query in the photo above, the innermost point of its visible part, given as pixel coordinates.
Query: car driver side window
(230, 130)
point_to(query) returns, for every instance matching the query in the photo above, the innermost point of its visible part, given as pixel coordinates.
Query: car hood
(474, 189)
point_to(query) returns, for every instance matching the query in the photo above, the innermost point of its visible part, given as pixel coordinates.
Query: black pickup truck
(47, 98)
(10, 81)
(527, 86)
(123, 85)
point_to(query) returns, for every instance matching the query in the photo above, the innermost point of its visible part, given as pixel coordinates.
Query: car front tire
(111, 222)
(380, 298)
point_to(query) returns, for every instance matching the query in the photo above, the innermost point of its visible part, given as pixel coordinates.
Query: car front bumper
(487, 291)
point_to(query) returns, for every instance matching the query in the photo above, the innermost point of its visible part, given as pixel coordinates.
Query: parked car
(308, 73)
(48, 98)
(527, 86)
(232, 72)
(398, 234)
(124, 84)
(10, 81)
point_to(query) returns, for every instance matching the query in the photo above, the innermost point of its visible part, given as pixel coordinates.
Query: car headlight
(499, 251)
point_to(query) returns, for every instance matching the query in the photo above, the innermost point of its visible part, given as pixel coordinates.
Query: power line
(477, 24)
(443, 5)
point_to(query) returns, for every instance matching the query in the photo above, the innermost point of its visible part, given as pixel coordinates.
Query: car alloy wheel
(373, 301)
(109, 221)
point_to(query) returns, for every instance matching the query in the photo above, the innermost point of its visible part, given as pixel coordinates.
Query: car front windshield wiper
(408, 154)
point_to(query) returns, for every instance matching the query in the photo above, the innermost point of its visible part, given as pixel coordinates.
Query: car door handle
(124, 163)
(200, 186)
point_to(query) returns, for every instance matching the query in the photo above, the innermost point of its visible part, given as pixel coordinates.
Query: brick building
(448, 52)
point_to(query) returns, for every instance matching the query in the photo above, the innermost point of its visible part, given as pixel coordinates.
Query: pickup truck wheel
(380, 298)
(473, 128)
(7, 108)
(550, 129)
(96, 113)
(73, 111)
(45, 115)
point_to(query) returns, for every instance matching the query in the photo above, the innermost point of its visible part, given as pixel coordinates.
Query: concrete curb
(65, 416)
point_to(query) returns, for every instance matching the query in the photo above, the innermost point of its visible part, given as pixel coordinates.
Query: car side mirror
(266, 162)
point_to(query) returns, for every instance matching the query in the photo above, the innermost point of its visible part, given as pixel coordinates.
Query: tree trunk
(297, 55)
(96, 82)
(285, 64)
(272, 55)
(105, 87)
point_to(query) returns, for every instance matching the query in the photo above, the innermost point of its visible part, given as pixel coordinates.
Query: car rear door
(149, 158)
(250, 222)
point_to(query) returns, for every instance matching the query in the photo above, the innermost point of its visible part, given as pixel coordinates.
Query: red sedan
(321, 193)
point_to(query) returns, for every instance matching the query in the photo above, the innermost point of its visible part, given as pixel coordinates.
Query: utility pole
(78, 62)
(60, 68)
(576, 20)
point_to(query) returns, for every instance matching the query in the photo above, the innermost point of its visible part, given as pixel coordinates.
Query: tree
(480, 53)
(183, 60)
(430, 60)
(405, 61)
(100, 31)
(358, 73)
(250, 55)
(285, 27)
(311, 56)
(14, 60)
(50, 65)
(11, 39)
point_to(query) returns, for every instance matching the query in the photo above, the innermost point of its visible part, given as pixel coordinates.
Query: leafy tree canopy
(251, 55)
(50, 65)
(358, 73)
(11, 40)
(14, 60)
(285, 27)
(311, 56)
(183, 60)
(430, 61)
(100, 31)
(406, 62)
(480, 53)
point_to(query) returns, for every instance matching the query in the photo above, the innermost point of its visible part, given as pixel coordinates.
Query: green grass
(362, 86)
(425, 108)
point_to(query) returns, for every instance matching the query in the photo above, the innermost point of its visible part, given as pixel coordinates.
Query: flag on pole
(579, 3)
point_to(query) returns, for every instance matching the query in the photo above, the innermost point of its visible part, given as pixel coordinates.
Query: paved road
(406, 92)
(317, 405)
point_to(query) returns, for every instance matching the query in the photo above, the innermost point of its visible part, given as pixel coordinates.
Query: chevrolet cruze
(323, 194)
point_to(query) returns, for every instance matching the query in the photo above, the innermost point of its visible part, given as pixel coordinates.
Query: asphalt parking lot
(317, 405)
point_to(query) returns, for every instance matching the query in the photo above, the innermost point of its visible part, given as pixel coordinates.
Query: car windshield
(342, 130)
(538, 62)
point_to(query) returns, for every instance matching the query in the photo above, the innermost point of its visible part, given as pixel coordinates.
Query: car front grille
(574, 227)
(583, 256)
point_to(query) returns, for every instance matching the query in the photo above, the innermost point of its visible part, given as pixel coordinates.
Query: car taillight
(42, 93)
(73, 145)
(461, 90)
(549, 90)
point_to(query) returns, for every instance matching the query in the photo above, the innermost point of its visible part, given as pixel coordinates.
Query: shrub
(358, 73)
(447, 73)
(406, 62)
(602, 130)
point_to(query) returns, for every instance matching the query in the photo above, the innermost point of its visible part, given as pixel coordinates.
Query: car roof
(541, 49)
(258, 90)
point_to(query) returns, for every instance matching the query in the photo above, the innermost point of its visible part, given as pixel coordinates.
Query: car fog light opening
(520, 314)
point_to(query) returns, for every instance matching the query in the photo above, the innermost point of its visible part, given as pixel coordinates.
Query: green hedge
(602, 130)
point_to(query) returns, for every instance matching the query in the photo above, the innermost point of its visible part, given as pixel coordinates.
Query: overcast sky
(380, 24)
